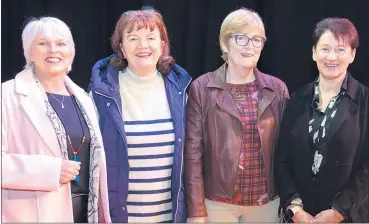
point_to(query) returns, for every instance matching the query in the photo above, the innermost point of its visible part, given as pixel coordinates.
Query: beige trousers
(223, 212)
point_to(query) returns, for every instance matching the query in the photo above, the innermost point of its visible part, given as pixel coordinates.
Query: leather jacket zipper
(239, 154)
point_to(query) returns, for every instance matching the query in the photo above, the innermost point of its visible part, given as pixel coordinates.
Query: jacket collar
(105, 77)
(178, 77)
(346, 108)
(220, 80)
(26, 85)
(24, 82)
(352, 88)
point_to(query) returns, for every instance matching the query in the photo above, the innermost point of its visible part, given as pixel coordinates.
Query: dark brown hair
(139, 19)
(341, 28)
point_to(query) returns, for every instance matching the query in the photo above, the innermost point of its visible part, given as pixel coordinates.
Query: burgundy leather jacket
(214, 136)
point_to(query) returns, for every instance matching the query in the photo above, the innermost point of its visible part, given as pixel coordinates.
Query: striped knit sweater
(150, 138)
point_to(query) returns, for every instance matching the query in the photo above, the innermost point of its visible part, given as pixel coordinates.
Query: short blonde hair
(48, 25)
(236, 22)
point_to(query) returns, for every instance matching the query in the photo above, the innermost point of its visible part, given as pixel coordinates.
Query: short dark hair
(341, 28)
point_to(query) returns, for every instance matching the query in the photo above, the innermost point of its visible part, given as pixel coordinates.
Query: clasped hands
(330, 216)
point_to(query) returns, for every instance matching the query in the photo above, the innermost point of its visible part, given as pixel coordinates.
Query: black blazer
(343, 179)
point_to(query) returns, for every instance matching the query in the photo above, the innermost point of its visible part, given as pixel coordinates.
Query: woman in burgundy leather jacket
(233, 119)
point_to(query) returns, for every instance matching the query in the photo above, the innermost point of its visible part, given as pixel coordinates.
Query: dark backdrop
(193, 27)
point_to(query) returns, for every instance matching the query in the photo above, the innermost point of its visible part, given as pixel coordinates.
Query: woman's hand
(302, 216)
(69, 171)
(329, 215)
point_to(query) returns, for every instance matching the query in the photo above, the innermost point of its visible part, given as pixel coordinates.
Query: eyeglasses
(337, 51)
(243, 40)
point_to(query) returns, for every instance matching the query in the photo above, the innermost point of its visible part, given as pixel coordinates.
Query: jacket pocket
(19, 206)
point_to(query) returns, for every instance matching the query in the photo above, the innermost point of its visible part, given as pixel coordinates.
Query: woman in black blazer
(322, 158)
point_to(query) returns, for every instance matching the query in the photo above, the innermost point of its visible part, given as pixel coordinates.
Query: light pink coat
(31, 156)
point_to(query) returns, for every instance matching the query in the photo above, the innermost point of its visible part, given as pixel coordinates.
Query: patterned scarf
(95, 149)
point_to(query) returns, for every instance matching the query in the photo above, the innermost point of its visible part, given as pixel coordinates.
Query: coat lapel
(346, 109)
(227, 104)
(265, 99)
(32, 102)
(224, 100)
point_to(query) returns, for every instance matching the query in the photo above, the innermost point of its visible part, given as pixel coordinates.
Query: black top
(72, 125)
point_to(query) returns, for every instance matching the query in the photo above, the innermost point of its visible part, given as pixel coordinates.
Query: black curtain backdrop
(193, 27)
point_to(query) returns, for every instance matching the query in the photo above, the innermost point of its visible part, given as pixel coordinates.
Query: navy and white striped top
(150, 138)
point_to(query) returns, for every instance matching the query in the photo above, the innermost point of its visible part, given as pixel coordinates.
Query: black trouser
(79, 204)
